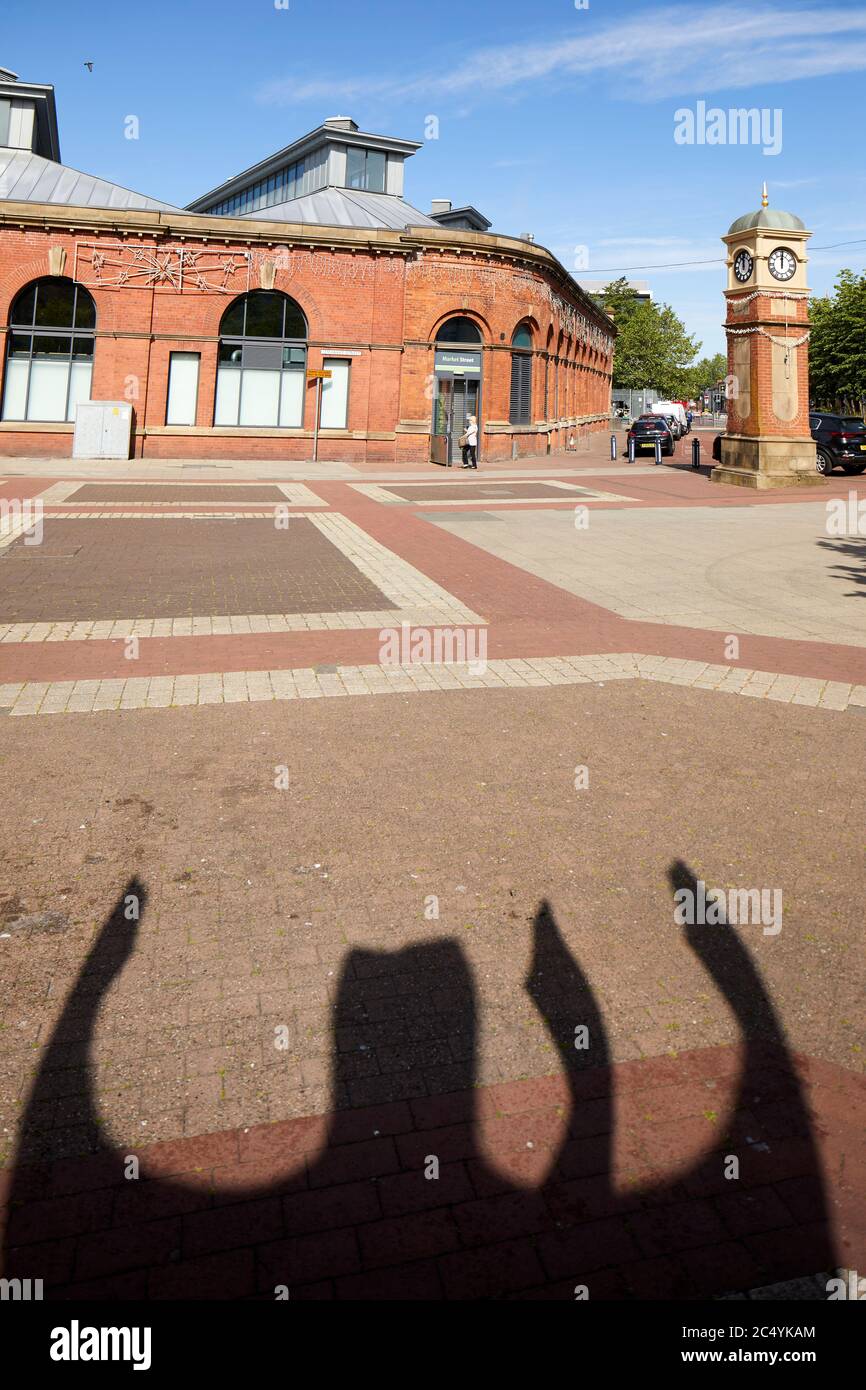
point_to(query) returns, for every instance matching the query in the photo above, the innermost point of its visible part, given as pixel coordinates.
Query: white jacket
(471, 433)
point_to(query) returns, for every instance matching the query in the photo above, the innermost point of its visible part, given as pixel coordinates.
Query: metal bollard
(631, 450)
(613, 446)
(658, 450)
(696, 453)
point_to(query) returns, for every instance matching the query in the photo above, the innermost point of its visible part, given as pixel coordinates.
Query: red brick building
(209, 319)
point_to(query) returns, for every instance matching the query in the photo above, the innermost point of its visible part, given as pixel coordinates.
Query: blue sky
(552, 119)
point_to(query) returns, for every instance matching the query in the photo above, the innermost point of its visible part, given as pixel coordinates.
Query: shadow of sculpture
(362, 1215)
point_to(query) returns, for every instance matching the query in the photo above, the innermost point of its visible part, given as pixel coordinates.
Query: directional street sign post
(318, 376)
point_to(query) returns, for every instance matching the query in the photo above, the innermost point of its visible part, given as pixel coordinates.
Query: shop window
(335, 394)
(261, 374)
(49, 357)
(182, 388)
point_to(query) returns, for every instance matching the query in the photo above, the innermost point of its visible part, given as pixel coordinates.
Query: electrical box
(103, 430)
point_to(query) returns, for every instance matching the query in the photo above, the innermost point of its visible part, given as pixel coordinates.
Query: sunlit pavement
(374, 905)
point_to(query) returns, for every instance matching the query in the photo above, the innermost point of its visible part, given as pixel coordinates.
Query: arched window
(520, 412)
(459, 330)
(49, 358)
(261, 373)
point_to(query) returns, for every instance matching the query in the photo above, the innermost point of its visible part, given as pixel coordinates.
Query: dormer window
(365, 169)
(17, 124)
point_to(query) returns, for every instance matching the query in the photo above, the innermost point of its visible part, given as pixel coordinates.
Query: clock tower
(768, 443)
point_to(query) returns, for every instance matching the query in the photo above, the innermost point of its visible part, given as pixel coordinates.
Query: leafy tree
(702, 376)
(653, 349)
(619, 300)
(652, 346)
(837, 348)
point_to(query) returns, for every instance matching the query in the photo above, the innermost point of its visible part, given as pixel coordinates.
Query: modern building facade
(210, 319)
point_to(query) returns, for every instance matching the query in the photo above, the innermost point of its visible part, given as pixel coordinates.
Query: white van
(670, 408)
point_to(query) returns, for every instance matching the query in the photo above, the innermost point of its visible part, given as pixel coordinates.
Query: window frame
(522, 362)
(240, 342)
(33, 330)
(336, 357)
(183, 424)
(477, 342)
(363, 153)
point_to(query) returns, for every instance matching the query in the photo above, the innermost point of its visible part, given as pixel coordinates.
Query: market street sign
(457, 361)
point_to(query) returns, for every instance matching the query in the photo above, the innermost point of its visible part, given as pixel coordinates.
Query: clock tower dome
(768, 443)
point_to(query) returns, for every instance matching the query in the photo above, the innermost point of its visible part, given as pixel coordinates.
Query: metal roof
(28, 178)
(468, 213)
(767, 217)
(323, 136)
(346, 207)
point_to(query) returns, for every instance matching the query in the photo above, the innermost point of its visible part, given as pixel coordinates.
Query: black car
(840, 439)
(671, 421)
(647, 430)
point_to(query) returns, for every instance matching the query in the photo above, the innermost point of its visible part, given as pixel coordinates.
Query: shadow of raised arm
(565, 1000)
(72, 1036)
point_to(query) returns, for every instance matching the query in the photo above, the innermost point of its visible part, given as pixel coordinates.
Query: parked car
(840, 439)
(647, 430)
(671, 421)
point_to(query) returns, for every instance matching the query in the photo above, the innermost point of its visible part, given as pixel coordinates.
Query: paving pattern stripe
(232, 624)
(572, 492)
(217, 687)
(63, 492)
(210, 506)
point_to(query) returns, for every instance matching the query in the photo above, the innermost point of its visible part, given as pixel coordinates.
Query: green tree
(653, 349)
(619, 300)
(703, 375)
(837, 347)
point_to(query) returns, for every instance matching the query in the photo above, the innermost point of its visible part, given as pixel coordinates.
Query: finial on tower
(765, 201)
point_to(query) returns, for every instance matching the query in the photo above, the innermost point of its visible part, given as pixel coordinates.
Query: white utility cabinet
(103, 430)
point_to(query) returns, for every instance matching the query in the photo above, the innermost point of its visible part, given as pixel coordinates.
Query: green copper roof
(767, 217)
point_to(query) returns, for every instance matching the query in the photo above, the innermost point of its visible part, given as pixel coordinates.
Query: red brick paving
(337, 1207)
(156, 492)
(351, 1215)
(527, 615)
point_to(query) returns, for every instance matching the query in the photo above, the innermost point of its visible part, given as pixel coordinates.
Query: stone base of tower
(765, 463)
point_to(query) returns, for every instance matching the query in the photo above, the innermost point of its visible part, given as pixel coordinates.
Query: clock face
(743, 266)
(782, 263)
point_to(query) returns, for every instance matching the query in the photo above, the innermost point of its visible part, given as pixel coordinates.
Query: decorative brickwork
(381, 296)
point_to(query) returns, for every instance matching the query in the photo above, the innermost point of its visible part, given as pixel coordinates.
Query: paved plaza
(377, 973)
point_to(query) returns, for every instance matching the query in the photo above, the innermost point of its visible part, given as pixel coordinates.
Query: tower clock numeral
(782, 263)
(743, 266)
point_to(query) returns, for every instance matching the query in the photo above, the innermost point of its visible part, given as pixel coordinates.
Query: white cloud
(667, 52)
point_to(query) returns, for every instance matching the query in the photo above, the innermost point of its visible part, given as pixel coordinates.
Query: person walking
(470, 443)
